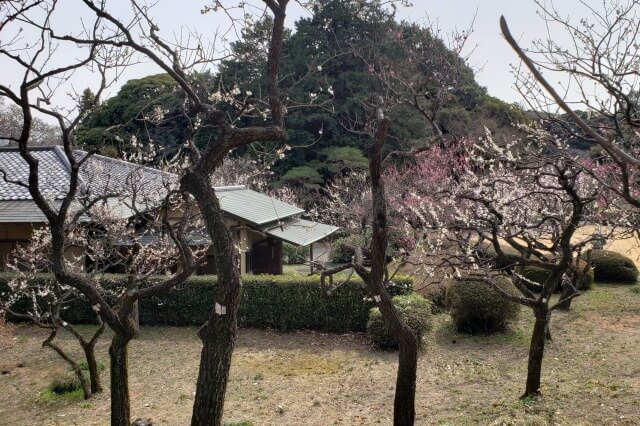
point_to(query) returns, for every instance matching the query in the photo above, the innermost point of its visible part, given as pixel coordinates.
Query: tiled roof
(101, 175)
(53, 174)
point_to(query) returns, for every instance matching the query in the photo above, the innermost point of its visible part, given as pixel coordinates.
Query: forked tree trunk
(94, 371)
(89, 348)
(536, 352)
(120, 409)
(86, 389)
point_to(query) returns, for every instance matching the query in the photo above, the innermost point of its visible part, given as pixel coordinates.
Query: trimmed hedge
(284, 302)
(413, 309)
(477, 308)
(610, 266)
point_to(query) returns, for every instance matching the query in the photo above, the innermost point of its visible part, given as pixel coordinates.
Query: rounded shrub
(539, 275)
(609, 266)
(478, 308)
(413, 309)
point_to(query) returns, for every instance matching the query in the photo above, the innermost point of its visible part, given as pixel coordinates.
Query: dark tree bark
(565, 298)
(94, 371)
(404, 401)
(120, 411)
(219, 332)
(536, 351)
(89, 349)
(404, 411)
(86, 389)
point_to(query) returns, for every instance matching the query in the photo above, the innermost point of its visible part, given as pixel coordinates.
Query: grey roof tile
(51, 177)
(101, 175)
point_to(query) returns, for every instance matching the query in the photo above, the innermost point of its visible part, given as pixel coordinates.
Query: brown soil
(590, 376)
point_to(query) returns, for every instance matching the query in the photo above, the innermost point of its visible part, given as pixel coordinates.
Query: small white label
(377, 298)
(220, 310)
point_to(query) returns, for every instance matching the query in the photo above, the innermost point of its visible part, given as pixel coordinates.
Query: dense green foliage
(540, 275)
(414, 311)
(136, 102)
(343, 249)
(284, 302)
(610, 266)
(294, 255)
(477, 308)
(325, 86)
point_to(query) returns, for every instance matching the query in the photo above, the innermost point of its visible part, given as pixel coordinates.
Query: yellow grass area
(622, 241)
(590, 374)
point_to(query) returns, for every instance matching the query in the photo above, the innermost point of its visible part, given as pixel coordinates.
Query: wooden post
(311, 257)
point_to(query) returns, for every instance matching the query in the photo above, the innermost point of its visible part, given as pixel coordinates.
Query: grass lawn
(591, 375)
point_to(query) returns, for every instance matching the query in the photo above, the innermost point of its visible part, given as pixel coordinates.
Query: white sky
(491, 57)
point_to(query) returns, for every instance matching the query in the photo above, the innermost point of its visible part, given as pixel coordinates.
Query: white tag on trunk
(377, 298)
(220, 310)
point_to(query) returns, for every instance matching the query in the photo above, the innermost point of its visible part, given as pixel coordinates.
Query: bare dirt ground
(591, 375)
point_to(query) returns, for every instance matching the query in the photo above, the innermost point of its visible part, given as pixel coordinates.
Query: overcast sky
(491, 57)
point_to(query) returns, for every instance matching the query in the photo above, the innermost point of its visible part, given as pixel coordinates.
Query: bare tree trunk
(218, 334)
(94, 371)
(565, 297)
(218, 337)
(404, 411)
(89, 349)
(135, 315)
(536, 351)
(89, 353)
(86, 390)
(404, 402)
(120, 410)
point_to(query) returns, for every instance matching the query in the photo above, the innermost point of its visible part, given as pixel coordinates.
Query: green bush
(343, 249)
(65, 383)
(436, 293)
(540, 275)
(610, 266)
(294, 255)
(284, 302)
(478, 308)
(511, 256)
(536, 273)
(413, 309)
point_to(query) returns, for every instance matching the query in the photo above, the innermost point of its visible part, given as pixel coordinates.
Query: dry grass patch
(590, 375)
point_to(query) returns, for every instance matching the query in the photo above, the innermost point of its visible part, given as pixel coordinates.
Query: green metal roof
(252, 206)
(299, 231)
